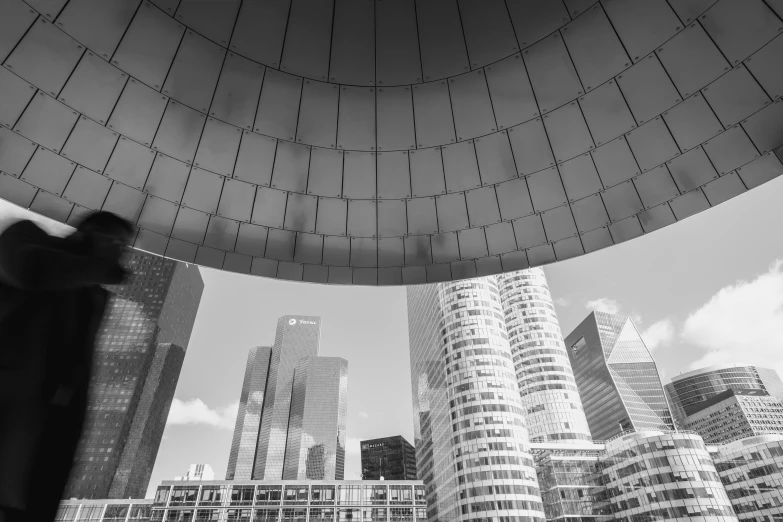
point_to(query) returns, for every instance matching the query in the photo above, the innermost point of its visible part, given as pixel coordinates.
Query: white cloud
(194, 411)
(363, 415)
(604, 304)
(562, 301)
(658, 333)
(741, 323)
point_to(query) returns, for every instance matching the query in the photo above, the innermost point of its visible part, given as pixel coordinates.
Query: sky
(704, 291)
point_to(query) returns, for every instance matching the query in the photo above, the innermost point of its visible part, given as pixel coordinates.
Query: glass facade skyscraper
(315, 446)
(689, 388)
(546, 381)
(735, 414)
(471, 441)
(617, 377)
(392, 458)
(139, 352)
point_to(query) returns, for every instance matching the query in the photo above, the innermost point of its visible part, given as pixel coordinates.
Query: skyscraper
(735, 414)
(251, 402)
(315, 447)
(617, 377)
(699, 385)
(392, 458)
(553, 409)
(139, 352)
(467, 412)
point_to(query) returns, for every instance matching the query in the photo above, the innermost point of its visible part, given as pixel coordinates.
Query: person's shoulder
(24, 227)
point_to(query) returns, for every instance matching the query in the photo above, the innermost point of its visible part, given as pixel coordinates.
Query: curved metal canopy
(387, 141)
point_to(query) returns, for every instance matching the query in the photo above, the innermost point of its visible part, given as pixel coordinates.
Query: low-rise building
(735, 414)
(114, 510)
(389, 458)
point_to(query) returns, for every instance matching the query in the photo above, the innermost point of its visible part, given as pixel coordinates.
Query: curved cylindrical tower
(546, 381)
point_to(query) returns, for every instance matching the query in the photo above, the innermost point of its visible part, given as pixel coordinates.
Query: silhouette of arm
(32, 260)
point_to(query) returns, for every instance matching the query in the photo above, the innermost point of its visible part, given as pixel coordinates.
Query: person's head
(109, 233)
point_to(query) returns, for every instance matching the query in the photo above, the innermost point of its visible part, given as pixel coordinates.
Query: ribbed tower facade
(547, 387)
(486, 466)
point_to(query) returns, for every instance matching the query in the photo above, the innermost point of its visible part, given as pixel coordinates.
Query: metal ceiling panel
(692, 60)
(692, 169)
(652, 144)
(181, 251)
(546, 189)
(263, 267)
(158, 215)
(203, 190)
(179, 132)
(495, 159)
(237, 91)
(309, 248)
(740, 27)
(472, 243)
(308, 39)
(471, 105)
(606, 113)
(589, 213)
(352, 59)
(280, 245)
(514, 198)
(326, 173)
(236, 200)
(724, 188)
(391, 251)
(437, 273)
(151, 242)
(656, 186)
(362, 217)
(300, 213)
(491, 265)
(762, 65)
(239, 263)
(445, 247)
(642, 24)
(98, 24)
(422, 216)
(397, 59)
(394, 110)
(622, 201)
(730, 150)
(689, 10)
(48, 171)
(15, 152)
(290, 271)
(464, 269)
(426, 167)
(532, 151)
(16, 191)
(46, 122)
(148, 47)
(512, 95)
(269, 207)
(535, 19)
(167, 178)
(51, 206)
(90, 144)
(483, 206)
(555, 81)
(568, 248)
(657, 217)
(292, 162)
(529, 231)
(278, 107)
(255, 159)
(260, 30)
(45, 57)
(15, 94)
(392, 220)
(418, 250)
(500, 238)
(389, 276)
(210, 257)
(394, 180)
(460, 167)
(692, 122)
(170, 6)
(315, 274)
(318, 114)
(626, 229)
(452, 212)
(217, 150)
(340, 276)
(594, 47)
(735, 96)
(215, 20)
(94, 87)
(761, 170)
(432, 112)
(558, 223)
(648, 89)
(16, 17)
(615, 162)
(138, 112)
(441, 40)
(764, 127)
(580, 177)
(251, 240)
(689, 204)
(510, 262)
(356, 128)
(488, 32)
(332, 216)
(359, 175)
(568, 132)
(337, 251)
(596, 239)
(364, 252)
(124, 201)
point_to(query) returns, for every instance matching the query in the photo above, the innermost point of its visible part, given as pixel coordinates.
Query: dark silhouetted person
(51, 305)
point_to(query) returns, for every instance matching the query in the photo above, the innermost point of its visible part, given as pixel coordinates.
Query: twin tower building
(293, 408)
